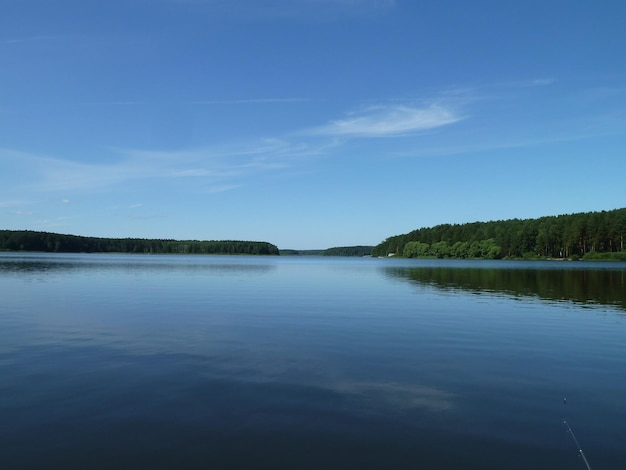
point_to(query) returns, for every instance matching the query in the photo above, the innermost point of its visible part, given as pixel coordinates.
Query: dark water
(112, 361)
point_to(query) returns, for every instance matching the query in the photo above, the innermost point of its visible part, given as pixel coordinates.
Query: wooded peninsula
(587, 236)
(27, 240)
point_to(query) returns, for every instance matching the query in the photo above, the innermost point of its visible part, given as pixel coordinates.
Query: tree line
(357, 250)
(27, 240)
(587, 235)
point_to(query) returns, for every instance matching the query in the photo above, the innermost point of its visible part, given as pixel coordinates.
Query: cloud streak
(12, 203)
(216, 168)
(543, 81)
(23, 40)
(289, 9)
(389, 121)
(251, 101)
(211, 169)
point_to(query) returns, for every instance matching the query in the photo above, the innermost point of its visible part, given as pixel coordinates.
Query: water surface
(123, 361)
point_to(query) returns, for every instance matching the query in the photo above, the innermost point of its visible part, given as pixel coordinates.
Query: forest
(358, 250)
(27, 240)
(585, 235)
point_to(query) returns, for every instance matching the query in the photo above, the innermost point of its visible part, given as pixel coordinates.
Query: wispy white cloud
(147, 216)
(497, 88)
(340, 7)
(504, 143)
(45, 224)
(222, 188)
(215, 168)
(251, 101)
(12, 203)
(21, 40)
(543, 81)
(388, 121)
(218, 167)
(315, 10)
(105, 103)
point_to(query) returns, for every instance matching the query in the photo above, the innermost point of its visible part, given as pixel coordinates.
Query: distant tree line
(588, 235)
(301, 252)
(358, 250)
(58, 243)
(335, 251)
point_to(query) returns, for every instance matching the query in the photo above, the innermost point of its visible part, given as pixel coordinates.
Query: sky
(307, 123)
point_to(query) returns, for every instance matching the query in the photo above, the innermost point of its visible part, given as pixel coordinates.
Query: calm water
(120, 361)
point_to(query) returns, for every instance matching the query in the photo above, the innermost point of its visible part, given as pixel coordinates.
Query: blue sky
(307, 123)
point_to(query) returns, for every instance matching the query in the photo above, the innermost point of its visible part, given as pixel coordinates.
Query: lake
(176, 362)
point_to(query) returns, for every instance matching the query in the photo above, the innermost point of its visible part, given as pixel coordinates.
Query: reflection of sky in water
(397, 396)
(268, 319)
(265, 322)
(364, 338)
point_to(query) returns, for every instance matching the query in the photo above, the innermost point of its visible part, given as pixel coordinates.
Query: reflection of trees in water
(587, 286)
(191, 264)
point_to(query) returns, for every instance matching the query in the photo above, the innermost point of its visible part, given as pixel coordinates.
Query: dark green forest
(286, 252)
(58, 243)
(586, 235)
(358, 250)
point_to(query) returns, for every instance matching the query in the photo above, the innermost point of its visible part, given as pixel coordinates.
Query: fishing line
(580, 451)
